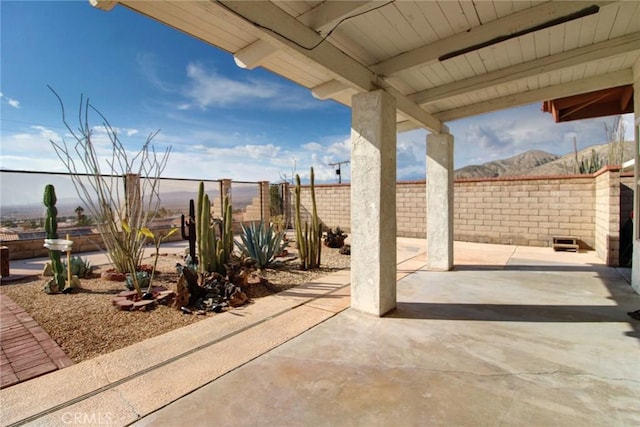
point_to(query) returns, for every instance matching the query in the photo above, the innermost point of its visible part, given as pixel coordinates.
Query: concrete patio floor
(512, 336)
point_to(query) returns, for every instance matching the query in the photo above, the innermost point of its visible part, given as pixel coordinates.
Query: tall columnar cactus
(188, 231)
(213, 251)
(308, 236)
(51, 228)
(225, 248)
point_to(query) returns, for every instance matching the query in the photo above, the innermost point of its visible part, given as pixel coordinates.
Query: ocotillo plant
(51, 228)
(188, 231)
(309, 237)
(213, 252)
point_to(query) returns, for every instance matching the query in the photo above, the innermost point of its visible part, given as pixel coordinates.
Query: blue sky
(221, 121)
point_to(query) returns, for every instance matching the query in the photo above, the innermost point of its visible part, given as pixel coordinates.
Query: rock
(345, 250)
(143, 304)
(75, 282)
(116, 300)
(113, 276)
(47, 271)
(185, 310)
(238, 298)
(182, 295)
(217, 308)
(125, 305)
(147, 296)
(201, 313)
(51, 287)
(164, 297)
(147, 268)
(128, 294)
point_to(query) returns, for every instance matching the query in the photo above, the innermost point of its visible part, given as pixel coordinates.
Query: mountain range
(542, 163)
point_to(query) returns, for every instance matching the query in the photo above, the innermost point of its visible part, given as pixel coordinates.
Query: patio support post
(635, 269)
(440, 202)
(373, 202)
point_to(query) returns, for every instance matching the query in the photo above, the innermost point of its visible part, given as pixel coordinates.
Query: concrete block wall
(507, 211)
(411, 209)
(332, 201)
(607, 215)
(525, 211)
(519, 211)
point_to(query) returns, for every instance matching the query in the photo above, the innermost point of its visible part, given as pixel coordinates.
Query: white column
(635, 269)
(439, 201)
(373, 203)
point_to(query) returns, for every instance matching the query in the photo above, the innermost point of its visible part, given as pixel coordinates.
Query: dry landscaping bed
(85, 323)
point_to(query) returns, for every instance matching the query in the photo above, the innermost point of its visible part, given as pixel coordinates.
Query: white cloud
(207, 88)
(12, 102)
(149, 65)
(312, 146)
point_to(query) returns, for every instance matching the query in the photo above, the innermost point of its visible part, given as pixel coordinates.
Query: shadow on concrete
(551, 267)
(510, 312)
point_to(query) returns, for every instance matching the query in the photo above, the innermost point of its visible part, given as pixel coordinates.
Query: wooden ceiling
(442, 61)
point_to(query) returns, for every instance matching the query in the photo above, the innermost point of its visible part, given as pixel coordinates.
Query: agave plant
(261, 243)
(80, 267)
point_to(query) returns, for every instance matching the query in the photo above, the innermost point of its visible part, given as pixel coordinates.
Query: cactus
(309, 237)
(213, 252)
(188, 231)
(51, 227)
(591, 165)
(226, 233)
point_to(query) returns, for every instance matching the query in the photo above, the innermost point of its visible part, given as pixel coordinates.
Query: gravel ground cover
(85, 323)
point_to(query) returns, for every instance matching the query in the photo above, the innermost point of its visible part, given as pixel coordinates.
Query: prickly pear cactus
(51, 227)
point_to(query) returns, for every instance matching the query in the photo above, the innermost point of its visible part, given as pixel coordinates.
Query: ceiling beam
(577, 87)
(254, 54)
(323, 16)
(269, 22)
(327, 14)
(510, 24)
(581, 55)
(328, 89)
(627, 96)
(105, 5)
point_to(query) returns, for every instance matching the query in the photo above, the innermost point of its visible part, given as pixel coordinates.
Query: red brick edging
(27, 350)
